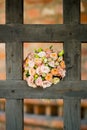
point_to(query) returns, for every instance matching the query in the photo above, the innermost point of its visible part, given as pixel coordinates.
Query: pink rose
(38, 81)
(61, 71)
(45, 69)
(38, 70)
(31, 63)
(46, 84)
(31, 55)
(30, 81)
(48, 52)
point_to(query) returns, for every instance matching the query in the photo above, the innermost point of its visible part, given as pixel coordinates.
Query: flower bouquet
(42, 68)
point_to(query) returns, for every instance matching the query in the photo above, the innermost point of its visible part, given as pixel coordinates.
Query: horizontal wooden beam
(17, 89)
(42, 33)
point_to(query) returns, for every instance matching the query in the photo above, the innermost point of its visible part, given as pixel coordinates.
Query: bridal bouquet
(42, 68)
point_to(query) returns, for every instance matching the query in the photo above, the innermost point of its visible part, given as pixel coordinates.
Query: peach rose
(32, 71)
(62, 64)
(53, 56)
(38, 61)
(54, 71)
(48, 77)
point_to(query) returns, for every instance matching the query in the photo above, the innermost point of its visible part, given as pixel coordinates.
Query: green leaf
(40, 49)
(51, 47)
(27, 74)
(61, 53)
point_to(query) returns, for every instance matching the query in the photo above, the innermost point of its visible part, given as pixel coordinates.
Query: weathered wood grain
(72, 114)
(72, 52)
(42, 33)
(17, 89)
(14, 89)
(14, 108)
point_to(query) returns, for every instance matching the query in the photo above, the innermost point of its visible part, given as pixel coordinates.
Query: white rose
(46, 84)
(45, 69)
(41, 54)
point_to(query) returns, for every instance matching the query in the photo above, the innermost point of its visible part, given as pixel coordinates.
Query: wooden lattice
(14, 89)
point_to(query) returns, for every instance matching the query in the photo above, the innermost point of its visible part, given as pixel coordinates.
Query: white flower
(51, 63)
(56, 63)
(31, 63)
(56, 80)
(46, 84)
(41, 54)
(45, 69)
(60, 58)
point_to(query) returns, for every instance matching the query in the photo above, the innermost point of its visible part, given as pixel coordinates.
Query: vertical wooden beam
(71, 11)
(14, 108)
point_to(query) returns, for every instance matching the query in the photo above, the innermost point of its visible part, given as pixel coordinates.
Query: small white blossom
(41, 54)
(45, 69)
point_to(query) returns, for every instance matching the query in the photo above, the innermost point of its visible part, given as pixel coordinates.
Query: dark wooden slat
(71, 10)
(14, 60)
(72, 114)
(14, 108)
(72, 55)
(72, 52)
(14, 11)
(19, 89)
(63, 85)
(42, 33)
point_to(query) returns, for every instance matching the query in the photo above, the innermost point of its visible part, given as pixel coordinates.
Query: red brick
(2, 56)
(85, 65)
(2, 76)
(2, 18)
(83, 18)
(84, 52)
(45, 21)
(33, 13)
(84, 76)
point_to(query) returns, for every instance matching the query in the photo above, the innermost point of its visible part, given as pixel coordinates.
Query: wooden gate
(14, 89)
